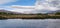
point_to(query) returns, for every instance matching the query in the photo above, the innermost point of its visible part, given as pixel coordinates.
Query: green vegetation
(57, 13)
(4, 15)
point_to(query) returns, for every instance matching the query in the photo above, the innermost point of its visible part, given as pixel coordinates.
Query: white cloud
(39, 7)
(22, 10)
(47, 5)
(22, 7)
(43, 7)
(6, 1)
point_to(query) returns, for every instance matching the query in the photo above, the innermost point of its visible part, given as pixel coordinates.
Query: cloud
(28, 9)
(17, 8)
(48, 5)
(22, 7)
(54, 3)
(45, 6)
(6, 1)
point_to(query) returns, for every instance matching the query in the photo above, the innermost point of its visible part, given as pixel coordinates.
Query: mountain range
(6, 11)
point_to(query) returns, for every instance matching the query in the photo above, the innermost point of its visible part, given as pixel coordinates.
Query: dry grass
(30, 16)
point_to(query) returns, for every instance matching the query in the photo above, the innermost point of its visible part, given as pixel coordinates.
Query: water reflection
(19, 23)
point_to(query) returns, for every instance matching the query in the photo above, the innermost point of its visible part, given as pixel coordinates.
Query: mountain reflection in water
(34, 23)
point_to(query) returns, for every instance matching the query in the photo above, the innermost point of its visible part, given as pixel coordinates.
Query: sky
(30, 6)
(18, 2)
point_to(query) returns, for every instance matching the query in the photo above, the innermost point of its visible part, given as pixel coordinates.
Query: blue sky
(21, 2)
(24, 6)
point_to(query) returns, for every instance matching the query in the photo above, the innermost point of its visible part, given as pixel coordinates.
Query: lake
(31, 23)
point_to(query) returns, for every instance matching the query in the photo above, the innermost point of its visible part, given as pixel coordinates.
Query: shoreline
(29, 17)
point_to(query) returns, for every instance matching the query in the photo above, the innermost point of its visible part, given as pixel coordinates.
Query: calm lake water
(34, 23)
